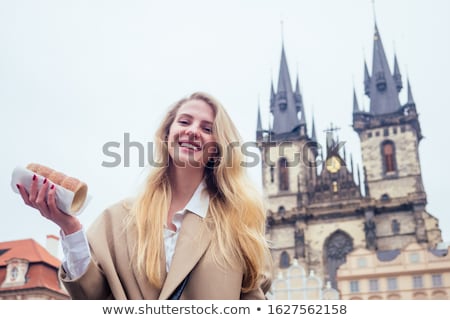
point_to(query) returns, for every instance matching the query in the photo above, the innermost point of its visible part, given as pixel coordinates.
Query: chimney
(52, 245)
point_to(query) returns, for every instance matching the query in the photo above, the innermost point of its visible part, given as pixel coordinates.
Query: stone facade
(320, 208)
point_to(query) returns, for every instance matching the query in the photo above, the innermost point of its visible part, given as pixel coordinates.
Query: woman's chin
(188, 161)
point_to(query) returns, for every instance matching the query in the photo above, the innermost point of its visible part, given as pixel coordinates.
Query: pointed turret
(359, 178)
(366, 80)
(410, 96)
(351, 166)
(259, 129)
(313, 131)
(285, 103)
(298, 97)
(355, 102)
(383, 90)
(397, 75)
(272, 96)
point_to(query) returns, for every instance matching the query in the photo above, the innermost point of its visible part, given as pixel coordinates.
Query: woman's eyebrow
(190, 116)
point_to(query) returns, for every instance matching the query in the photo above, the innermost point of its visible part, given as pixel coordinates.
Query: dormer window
(282, 100)
(16, 271)
(380, 81)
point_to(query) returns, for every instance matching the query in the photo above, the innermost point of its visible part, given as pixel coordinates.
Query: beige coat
(112, 273)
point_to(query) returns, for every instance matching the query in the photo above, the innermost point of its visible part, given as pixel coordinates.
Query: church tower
(288, 152)
(390, 135)
(320, 207)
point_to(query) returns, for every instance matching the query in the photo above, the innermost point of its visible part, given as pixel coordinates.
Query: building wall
(415, 260)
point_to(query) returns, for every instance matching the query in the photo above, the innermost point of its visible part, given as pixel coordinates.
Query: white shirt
(76, 248)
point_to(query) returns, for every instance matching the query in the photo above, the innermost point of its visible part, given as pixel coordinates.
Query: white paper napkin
(64, 197)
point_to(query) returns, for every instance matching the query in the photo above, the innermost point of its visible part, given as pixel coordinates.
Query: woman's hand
(47, 207)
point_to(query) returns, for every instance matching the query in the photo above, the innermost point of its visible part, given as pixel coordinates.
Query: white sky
(75, 75)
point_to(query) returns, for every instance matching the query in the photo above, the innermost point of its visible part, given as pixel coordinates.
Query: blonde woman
(195, 232)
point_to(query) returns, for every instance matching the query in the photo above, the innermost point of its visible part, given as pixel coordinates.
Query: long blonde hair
(236, 213)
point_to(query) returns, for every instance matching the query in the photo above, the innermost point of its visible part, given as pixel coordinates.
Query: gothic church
(320, 208)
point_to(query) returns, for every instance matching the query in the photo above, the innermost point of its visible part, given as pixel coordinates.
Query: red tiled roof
(42, 270)
(27, 249)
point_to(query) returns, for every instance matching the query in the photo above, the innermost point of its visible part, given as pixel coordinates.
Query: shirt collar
(199, 201)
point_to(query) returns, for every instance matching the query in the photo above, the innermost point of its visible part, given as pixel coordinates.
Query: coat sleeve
(101, 276)
(91, 285)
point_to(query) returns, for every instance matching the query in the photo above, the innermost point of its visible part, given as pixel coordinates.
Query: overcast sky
(75, 75)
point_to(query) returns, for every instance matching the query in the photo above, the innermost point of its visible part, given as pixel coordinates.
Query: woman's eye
(207, 129)
(183, 121)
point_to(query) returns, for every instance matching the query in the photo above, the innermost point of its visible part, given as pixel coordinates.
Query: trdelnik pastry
(71, 193)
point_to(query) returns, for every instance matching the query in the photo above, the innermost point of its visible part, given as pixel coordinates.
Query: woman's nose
(192, 131)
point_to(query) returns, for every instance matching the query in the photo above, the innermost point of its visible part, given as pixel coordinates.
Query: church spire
(381, 86)
(259, 129)
(272, 96)
(355, 102)
(298, 97)
(397, 75)
(313, 131)
(410, 96)
(285, 103)
(366, 80)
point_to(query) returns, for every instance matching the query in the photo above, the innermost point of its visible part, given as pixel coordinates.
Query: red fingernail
(18, 187)
(34, 177)
(52, 187)
(45, 180)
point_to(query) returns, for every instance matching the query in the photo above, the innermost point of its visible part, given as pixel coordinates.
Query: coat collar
(193, 240)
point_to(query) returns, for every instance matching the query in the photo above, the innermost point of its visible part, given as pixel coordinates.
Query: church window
(285, 260)
(281, 211)
(386, 132)
(384, 197)
(283, 174)
(338, 245)
(335, 187)
(395, 225)
(388, 152)
(272, 169)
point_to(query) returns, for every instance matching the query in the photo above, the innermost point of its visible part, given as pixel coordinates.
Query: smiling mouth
(190, 146)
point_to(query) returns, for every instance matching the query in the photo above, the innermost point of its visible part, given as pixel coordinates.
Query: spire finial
(282, 32)
(374, 12)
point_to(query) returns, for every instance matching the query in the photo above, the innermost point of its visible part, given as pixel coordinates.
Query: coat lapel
(148, 292)
(192, 243)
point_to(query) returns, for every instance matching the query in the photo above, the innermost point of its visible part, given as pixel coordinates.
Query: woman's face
(191, 140)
